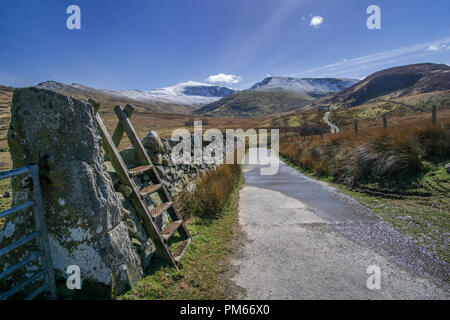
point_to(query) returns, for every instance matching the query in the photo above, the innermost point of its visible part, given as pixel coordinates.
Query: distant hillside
(392, 83)
(274, 95)
(314, 87)
(251, 103)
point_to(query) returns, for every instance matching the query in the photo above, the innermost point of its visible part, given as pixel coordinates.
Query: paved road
(333, 127)
(302, 239)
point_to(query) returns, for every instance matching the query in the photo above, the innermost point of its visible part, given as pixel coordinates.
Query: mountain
(251, 103)
(314, 87)
(187, 93)
(392, 83)
(274, 95)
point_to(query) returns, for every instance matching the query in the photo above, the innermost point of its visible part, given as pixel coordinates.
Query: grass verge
(198, 277)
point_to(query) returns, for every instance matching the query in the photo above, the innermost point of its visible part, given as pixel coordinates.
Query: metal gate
(46, 272)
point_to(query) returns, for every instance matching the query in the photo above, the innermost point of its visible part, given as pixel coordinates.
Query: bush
(212, 192)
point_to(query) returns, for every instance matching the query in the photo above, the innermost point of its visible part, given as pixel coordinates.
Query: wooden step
(181, 249)
(170, 229)
(139, 170)
(156, 212)
(149, 190)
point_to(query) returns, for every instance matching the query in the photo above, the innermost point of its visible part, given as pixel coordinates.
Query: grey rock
(129, 157)
(148, 250)
(166, 161)
(126, 190)
(153, 142)
(167, 149)
(82, 211)
(157, 158)
(131, 225)
(161, 171)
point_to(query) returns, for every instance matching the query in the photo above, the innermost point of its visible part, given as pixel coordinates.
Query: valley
(392, 177)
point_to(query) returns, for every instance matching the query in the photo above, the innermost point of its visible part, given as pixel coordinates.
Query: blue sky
(147, 44)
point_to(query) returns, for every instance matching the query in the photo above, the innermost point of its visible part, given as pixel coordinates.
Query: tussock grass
(374, 155)
(212, 192)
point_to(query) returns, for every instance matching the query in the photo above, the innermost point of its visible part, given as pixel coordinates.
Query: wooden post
(119, 131)
(433, 114)
(131, 133)
(356, 126)
(385, 124)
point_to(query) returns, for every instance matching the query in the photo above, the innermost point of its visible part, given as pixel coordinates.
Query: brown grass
(212, 191)
(374, 154)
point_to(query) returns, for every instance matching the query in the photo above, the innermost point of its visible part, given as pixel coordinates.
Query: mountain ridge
(314, 87)
(188, 93)
(392, 83)
(275, 95)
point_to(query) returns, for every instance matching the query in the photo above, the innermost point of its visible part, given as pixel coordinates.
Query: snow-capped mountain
(186, 93)
(315, 87)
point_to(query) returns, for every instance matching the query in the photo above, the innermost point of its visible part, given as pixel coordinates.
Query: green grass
(425, 218)
(198, 277)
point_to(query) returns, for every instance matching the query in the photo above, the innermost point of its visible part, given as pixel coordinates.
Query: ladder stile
(125, 175)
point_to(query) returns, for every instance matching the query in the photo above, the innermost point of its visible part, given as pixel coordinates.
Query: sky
(148, 44)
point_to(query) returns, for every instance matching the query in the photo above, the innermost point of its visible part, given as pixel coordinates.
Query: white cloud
(224, 78)
(316, 21)
(433, 48)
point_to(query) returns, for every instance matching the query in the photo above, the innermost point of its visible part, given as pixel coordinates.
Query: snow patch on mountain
(315, 87)
(186, 93)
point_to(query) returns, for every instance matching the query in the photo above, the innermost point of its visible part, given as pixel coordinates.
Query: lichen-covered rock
(153, 142)
(167, 149)
(83, 213)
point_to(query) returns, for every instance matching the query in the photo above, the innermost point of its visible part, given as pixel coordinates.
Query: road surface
(302, 239)
(333, 127)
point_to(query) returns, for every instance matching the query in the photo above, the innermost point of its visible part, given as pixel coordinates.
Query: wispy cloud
(224, 78)
(381, 58)
(316, 21)
(432, 48)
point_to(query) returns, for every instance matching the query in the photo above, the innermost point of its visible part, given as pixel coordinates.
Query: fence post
(385, 124)
(356, 126)
(41, 225)
(433, 114)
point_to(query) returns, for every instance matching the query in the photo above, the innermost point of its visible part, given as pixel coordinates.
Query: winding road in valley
(302, 239)
(334, 128)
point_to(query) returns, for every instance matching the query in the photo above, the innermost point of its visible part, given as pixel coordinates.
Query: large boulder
(85, 219)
